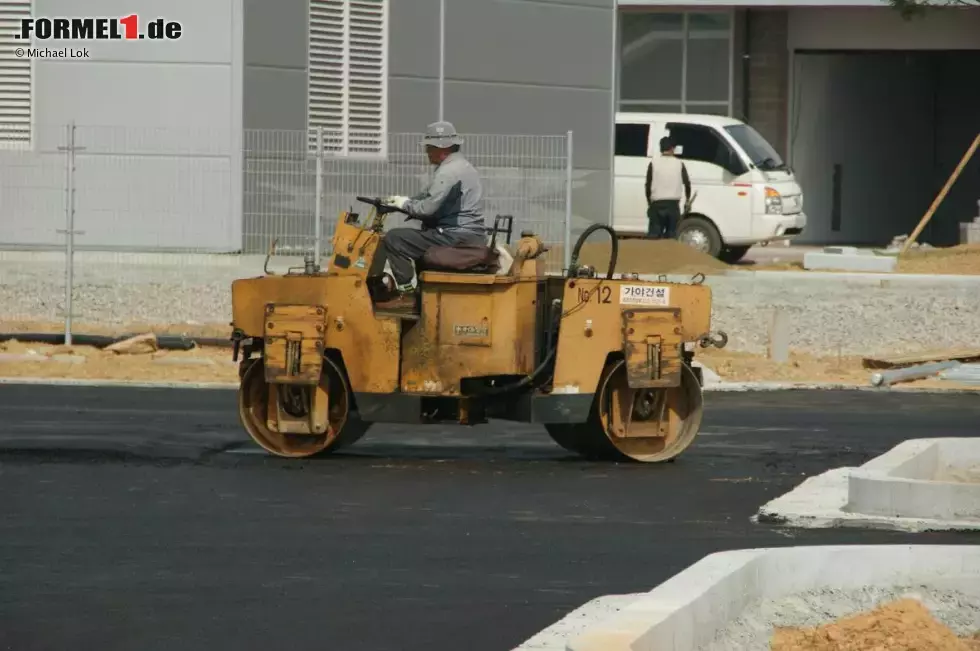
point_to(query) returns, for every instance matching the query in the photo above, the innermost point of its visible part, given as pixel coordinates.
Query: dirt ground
(203, 364)
(213, 364)
(209, 330)
(669, 256)
(903, 625)
(963, 260)
(734, 366)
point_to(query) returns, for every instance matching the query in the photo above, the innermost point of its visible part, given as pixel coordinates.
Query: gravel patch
(752, 631)
(831, 318)
(826, 318)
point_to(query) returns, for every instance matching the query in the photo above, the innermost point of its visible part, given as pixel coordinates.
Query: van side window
(631, 139)
(704, 145)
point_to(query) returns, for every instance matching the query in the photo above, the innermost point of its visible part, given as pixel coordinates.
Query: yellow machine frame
(603, 363)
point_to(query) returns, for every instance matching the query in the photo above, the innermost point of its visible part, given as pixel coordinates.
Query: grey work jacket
(453, 201)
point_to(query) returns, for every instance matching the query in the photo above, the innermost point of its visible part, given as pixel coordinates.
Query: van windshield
(756, 147)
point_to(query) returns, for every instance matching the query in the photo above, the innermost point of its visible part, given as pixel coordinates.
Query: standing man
(664, 186)
(450, 210)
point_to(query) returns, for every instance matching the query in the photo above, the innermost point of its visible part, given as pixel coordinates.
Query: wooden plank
(899, 361)
(942, 195)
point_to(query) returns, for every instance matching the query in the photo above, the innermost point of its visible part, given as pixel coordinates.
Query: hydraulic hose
(614, 253)
(556, 311)
(523, 382)
(528, 380)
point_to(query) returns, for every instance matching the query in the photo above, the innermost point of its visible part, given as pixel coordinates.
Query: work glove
(396, 201)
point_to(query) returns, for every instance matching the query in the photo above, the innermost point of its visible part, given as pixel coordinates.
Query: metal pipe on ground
(919, 372)
(964, 373)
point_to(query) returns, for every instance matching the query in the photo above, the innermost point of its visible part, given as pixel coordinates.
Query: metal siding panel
(542, 91)
(537, 43)
(275, 76)
(15, 76)
(205, 38)
(414, 45)
(275, 33)
(154, 173)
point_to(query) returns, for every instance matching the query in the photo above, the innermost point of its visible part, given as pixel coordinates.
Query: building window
(348, 76)
(16, 105)
(675, 62)
(632, 139)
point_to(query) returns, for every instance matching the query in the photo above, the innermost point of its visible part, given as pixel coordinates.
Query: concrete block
(849, 259)
(919, 485)
(970, 232)
(184, 361)
(689, 610)
(779, 332)
(22, 357)
(69, 359)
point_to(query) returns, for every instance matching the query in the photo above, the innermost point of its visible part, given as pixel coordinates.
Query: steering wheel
(380, 206)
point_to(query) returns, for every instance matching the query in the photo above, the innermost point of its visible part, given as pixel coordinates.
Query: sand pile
(650, 257)
(902, 625)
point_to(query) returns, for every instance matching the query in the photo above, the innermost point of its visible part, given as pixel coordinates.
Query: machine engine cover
(294, 336)
(652, 345)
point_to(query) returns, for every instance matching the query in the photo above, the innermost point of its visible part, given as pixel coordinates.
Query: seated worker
(450, 210)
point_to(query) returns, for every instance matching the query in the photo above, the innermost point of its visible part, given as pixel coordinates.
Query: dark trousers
(404, 246)
(663, 217)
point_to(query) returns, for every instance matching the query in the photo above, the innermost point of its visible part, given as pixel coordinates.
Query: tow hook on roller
(717, 339)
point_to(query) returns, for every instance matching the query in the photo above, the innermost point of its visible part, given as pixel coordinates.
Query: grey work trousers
(404, 246)
(664, 217)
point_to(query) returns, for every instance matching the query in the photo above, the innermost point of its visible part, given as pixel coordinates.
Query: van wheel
(701, 234)
(732, 254)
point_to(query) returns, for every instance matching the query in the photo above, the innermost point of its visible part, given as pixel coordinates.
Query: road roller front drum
(253, 405)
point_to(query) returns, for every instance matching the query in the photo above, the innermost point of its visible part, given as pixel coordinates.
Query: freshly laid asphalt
(144, 519)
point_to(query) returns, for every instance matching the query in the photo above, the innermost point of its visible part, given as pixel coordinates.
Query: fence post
(568, 201)
(69, 229)
(318, 226)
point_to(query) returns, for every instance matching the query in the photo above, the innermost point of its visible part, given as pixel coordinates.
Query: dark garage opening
(874, 137)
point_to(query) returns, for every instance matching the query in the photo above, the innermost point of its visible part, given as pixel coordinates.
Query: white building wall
(160, 124)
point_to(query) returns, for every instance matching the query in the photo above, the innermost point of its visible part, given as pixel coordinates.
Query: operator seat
(504, 259)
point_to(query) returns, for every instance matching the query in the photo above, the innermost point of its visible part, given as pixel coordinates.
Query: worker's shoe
(403, 302)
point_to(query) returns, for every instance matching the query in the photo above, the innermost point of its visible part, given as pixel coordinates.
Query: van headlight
(774, 202)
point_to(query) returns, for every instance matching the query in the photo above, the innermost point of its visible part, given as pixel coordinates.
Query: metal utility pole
(317, 212)
(442, 60)
(69, 229)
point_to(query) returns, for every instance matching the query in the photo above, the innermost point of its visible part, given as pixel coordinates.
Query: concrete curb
(864, 278)
(686, 612)
(722, 387)
(825, 386)
(881, 494)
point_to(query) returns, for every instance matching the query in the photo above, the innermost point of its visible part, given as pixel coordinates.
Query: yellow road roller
(604, 363)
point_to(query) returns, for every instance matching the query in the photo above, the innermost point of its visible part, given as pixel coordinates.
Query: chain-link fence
(149, 227)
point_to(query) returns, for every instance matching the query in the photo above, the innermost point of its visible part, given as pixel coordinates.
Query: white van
(745, 193)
